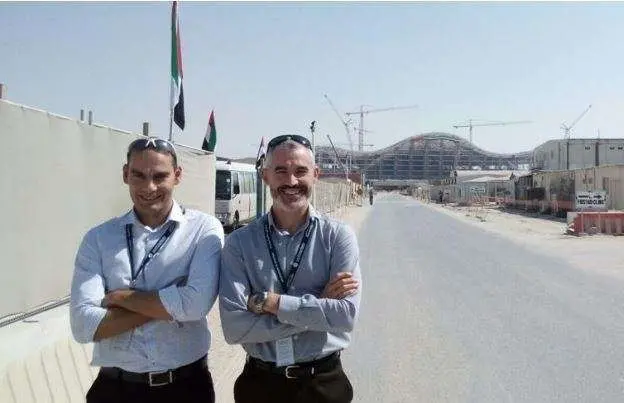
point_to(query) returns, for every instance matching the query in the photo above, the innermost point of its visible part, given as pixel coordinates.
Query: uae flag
(210, 139)
(261, 153)
(177, 92)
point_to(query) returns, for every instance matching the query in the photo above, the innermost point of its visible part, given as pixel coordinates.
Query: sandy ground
(600, 254)
(226, 361)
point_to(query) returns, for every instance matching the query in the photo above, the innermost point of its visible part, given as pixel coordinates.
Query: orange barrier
(600, 222)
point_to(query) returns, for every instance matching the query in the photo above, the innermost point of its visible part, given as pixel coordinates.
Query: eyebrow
(135, 171)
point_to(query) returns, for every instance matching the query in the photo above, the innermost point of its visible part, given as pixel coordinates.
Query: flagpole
(312, 130)
(260, 207)
(174, 17)
(171, 112)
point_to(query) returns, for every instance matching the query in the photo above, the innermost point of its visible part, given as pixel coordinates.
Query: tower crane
(363, 112)
(567, 129)
(342, 120)
(470, 125)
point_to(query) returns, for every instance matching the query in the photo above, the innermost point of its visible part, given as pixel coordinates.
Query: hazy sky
(264, 67)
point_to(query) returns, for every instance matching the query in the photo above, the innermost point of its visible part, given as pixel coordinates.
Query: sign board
(477, 189)
(591, 200)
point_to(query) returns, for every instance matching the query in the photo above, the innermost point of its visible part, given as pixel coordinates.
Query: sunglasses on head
(275, 141)
(155, 143)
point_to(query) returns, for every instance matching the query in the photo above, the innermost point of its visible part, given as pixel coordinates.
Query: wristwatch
(256, 302)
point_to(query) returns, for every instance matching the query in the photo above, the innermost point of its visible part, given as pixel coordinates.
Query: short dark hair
(157, 144)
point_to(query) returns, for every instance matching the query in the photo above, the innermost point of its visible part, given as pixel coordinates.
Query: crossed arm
(97, 315)
(334, 310)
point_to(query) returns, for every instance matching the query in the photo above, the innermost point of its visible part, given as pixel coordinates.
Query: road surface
(451, 313)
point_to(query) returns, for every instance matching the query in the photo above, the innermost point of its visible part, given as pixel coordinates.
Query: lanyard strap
(159, 244)
(277, 267)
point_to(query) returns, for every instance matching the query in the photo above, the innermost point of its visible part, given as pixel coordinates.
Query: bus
(235, 193)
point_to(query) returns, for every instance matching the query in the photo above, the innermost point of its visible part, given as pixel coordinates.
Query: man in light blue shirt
(290, 289)
(143, 284)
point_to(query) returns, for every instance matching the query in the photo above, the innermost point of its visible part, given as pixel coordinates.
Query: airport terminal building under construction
(436, 156)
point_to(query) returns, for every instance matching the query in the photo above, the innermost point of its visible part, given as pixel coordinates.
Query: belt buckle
(290, 367)
(155, 383)
(287, 371)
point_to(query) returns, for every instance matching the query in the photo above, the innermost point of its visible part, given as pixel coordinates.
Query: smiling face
(151, 177)
(290, 174)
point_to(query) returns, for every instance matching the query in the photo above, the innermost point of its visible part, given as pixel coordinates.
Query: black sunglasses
(155, 143)
(275, 141)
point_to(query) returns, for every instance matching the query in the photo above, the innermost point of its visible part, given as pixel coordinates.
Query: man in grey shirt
(290, 289)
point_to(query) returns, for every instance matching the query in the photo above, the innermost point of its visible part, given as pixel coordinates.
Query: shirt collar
(175, 214)
(312, 213)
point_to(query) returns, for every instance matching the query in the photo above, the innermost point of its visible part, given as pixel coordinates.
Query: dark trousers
(258, 386)
(193, 389)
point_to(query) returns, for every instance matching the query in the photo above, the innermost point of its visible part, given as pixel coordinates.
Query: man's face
(290, 177)
(151, 177)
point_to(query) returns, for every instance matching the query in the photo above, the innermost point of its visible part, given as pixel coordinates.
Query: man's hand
(342, 286)
(114, 299)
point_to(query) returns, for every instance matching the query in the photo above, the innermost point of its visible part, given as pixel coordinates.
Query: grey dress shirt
(318, 326)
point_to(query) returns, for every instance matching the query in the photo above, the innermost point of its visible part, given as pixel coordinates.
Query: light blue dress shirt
(185, 272)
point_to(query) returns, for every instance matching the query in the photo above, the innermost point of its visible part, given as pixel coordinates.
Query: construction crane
(337, 158)
(343, 121)
(470, 125)
(363, 112)
(567, 129)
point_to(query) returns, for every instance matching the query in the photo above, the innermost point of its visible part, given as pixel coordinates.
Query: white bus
(235, 193)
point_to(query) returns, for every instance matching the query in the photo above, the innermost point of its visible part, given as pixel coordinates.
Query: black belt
(300, 369)
(158, 378)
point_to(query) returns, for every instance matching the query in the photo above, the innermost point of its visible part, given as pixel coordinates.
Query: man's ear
(177, 172)
(125, 173)
(317, 172)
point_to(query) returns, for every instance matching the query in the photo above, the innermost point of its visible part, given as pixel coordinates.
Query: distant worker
(370, 195)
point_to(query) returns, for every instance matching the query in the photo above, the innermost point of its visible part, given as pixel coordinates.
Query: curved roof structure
(432, 155)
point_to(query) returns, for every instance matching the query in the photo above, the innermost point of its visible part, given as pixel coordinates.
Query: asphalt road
(451, 313)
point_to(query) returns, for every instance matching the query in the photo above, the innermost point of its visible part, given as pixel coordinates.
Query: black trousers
(259, 386)
(197, 388)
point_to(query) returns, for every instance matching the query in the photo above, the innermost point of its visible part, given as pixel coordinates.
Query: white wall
(58, 178)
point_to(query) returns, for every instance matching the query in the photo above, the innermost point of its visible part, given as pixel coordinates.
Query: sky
(264, 68)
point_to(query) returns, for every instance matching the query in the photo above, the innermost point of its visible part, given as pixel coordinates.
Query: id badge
(284, 351)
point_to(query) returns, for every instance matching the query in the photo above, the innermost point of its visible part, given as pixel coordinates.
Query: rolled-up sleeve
(87, 290)
(193, 300)
(326, 314)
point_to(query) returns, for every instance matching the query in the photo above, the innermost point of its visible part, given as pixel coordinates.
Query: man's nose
(151, 185)
(292, 180)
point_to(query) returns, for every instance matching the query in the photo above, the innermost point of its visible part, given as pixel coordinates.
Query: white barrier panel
(58, 178)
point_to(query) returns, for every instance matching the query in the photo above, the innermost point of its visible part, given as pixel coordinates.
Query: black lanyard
(159, 244)
(298, 256)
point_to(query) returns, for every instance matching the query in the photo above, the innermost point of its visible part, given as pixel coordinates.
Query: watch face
(257, 301)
